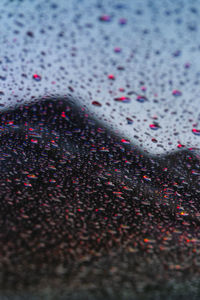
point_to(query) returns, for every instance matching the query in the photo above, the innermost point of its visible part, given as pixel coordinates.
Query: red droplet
(124, 141)
(180, 146)
(154, 126)
(34, 141)
(154, 140)
(176, 93)
(37, 77)
(96, 103)
(196, 131)
(111, 76)
(123, 99)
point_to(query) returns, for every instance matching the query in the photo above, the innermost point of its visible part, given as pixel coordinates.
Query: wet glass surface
(99, 150)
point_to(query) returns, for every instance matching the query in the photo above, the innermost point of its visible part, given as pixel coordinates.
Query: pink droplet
(123, 99)
(196, 131)
(37, 77)
(111, 76)
(124, 141)
(176, 93)
(105, 18)
(154, 126)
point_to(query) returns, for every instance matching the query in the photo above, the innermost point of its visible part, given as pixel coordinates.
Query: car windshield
(99, 149)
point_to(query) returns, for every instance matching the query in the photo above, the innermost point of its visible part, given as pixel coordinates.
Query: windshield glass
(99, 148)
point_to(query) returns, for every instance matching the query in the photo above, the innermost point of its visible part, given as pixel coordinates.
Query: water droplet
(123, 99)
(176, 93)
(154, 126)
(154, 140)
(177, 53)
(147, 178)
(117, 49)
(125, 141)
(196, 131)
(96, 103)
(129, 121)
(37, 77)
(122, 21)
(141, 98)
(180, 145)
(111, 76)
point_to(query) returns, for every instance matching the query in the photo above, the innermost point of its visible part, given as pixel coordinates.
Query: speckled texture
(134, 63)
(85, 213)
(94, 97)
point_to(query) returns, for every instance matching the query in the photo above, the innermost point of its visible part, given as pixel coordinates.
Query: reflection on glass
(99, 149)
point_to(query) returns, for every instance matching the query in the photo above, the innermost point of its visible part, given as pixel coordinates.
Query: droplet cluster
(91, 94)
(76, 197)
(136, 59)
